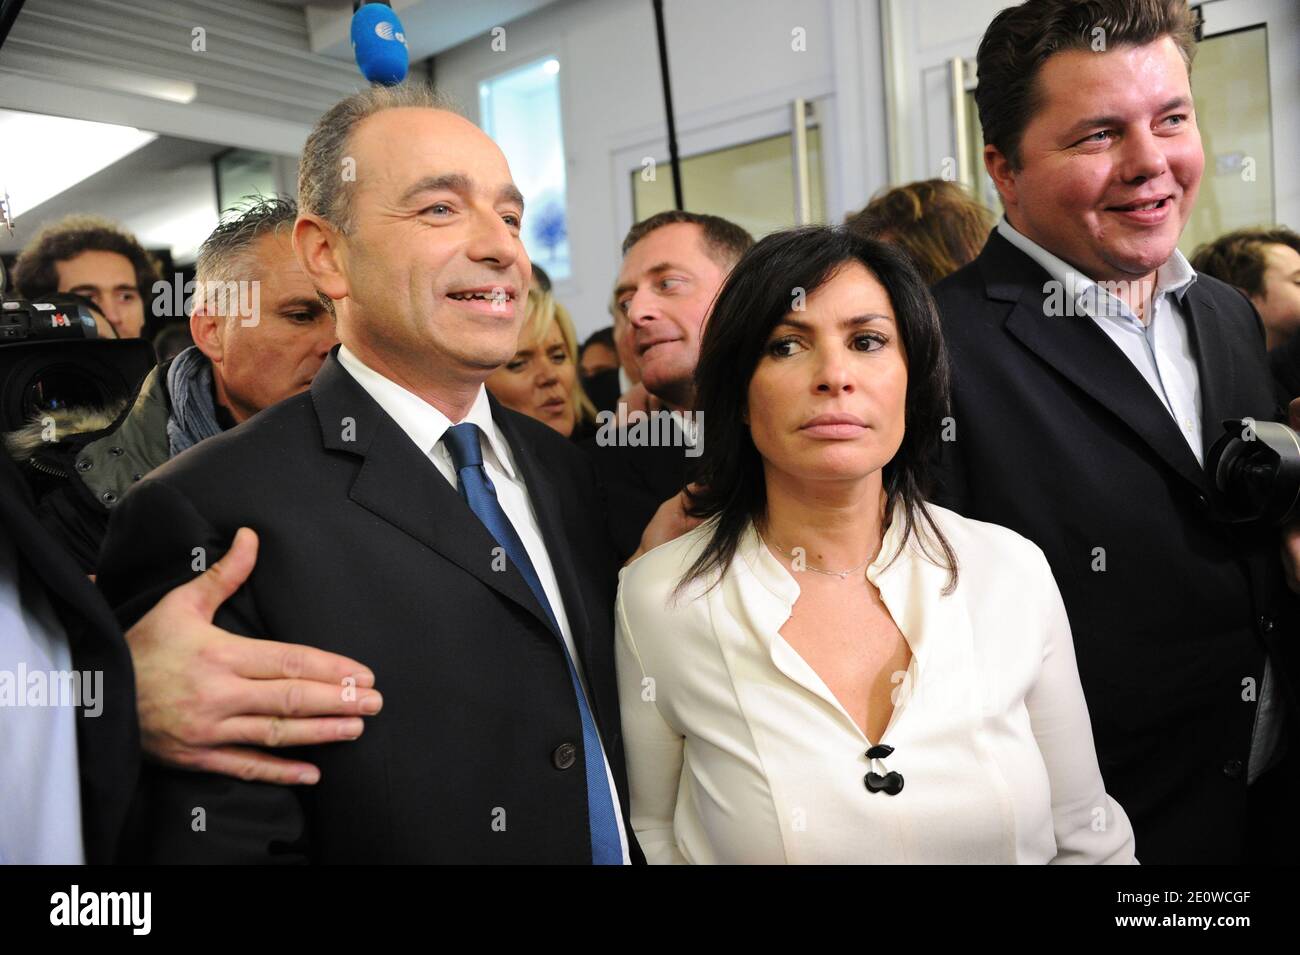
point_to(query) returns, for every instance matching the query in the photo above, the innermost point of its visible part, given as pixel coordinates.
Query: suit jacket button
(1232, 769)
(1266, 624)
(565, 755)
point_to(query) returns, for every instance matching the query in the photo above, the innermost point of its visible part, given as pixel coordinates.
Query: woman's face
(827, 399)
(538, 382)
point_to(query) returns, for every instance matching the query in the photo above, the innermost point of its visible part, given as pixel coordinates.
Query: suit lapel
(1218, 382)
(1083, 354)
(399, 484)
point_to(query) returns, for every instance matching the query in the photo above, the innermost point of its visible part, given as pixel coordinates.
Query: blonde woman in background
(541, 380)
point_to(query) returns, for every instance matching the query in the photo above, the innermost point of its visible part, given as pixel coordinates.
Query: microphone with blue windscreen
(379, 44)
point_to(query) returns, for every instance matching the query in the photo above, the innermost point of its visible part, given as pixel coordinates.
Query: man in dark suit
(1092, 372)
(405, 518)
(674, 264)
(52, 620)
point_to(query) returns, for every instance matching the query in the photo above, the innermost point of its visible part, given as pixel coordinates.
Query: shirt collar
(1174, 277)
(909, 578)
(422, 422)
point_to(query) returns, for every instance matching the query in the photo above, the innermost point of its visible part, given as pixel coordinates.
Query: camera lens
(59, 387)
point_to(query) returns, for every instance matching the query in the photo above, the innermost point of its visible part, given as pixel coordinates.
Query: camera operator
(92, 257)
(260, 332)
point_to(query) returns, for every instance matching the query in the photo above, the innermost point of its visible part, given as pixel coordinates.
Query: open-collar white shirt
(1158, 345)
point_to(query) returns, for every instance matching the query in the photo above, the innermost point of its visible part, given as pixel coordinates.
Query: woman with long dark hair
(827, 668)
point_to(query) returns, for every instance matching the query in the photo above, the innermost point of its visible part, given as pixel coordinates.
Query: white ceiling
(267, 69)
(155, 192)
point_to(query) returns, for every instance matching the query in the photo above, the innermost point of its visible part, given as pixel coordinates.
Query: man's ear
(205, 329)
(1003, 176)
(319, 249)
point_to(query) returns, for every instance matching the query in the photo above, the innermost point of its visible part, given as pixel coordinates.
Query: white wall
(732, 67)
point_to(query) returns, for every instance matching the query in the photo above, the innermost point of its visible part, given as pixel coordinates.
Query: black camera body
(1256, 467)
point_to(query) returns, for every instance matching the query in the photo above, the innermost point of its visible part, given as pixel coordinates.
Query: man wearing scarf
(261, 333)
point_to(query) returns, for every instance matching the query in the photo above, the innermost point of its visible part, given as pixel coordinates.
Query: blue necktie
(467, 456)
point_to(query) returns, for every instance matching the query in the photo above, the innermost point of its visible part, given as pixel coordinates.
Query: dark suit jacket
(368, 551)
(1061, 439)
(604, 389)
(636, 479)
(108, 745)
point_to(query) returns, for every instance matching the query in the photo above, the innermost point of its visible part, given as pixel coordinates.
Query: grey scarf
(194, 413)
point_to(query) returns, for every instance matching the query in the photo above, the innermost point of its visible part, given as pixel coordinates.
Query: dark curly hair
(35, 274)
(755, 297)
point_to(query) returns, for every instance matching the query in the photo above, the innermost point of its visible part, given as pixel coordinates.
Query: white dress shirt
(40, 790)
(739, 753)
(425, 425)
(1158, 345)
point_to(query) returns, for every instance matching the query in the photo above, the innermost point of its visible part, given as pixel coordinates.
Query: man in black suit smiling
(1093, 369)
(407, 518)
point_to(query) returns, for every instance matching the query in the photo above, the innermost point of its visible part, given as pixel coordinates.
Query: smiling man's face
(665, 288)
(435, 270)
(1111, 160)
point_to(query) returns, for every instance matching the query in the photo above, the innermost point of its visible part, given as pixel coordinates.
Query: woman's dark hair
(756, 296)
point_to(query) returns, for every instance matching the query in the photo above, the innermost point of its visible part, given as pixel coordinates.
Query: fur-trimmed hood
(105, 450)
(55, 426)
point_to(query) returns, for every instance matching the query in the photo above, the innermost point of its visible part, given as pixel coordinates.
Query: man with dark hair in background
(1092, 371)
(90, 256)
(1265, 264)
(674, 263)
(261, 334)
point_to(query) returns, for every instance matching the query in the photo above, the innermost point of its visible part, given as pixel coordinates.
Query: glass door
(1234, 111)
(754, 183)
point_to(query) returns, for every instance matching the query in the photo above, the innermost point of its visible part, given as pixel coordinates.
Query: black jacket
(1173, 612)
(604, 389)
(366, 550)
(108, 745)
(637, 479)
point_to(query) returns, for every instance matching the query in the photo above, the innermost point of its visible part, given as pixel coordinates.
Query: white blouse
(737, 752)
